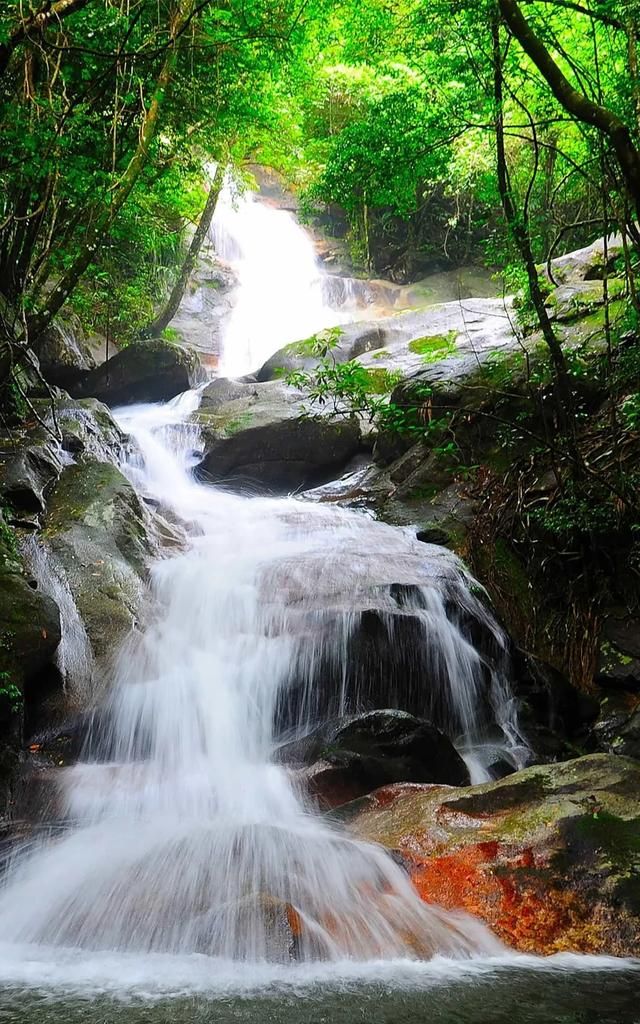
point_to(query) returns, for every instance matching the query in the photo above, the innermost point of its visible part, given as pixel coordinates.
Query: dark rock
(617, 728)
(554, 715)
(149, 371)
(263, 434)
(433, 534)
(383, 747)
(372, 750)
(619, 655)
(28, 470)
(64, 355)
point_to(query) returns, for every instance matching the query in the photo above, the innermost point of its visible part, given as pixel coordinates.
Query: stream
(190, 877)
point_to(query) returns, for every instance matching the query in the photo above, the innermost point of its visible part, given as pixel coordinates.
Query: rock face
(547, 858)
(263, 434)
(148, 371)
(99, 532)
(450, 338)
(65, 356)
(373, 750)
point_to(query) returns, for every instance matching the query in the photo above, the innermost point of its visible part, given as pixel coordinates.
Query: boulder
(29, 619)
(33, 457)
(263, 434)
(450, 339)
(30, 463)
(99, 532)
(547, 857)
(29, 635)
(378, 748)
(146, 371)
(64, 355)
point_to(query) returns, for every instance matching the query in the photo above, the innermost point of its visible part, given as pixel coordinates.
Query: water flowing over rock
(280, 295)
(186, 836)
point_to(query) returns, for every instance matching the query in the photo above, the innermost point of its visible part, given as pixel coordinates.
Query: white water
(280, 295)
(186, 838)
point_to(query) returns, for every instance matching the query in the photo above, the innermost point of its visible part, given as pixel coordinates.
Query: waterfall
(183, 834)
(281, 289)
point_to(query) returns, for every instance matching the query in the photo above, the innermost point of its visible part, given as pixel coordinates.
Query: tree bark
(173, 302)
(519, 230)
(575, 102)
(37, 22)
(103, 222)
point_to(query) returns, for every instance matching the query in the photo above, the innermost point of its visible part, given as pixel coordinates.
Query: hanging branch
(37, 22)
(518, 226)
(103, 222)
(576, 103)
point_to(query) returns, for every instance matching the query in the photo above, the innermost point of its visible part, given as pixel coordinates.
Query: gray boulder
(64, 354)
(100, 534)
(147, 371)
(263, 434)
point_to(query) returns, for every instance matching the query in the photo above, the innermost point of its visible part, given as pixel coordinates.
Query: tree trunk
(171, 308)
(519, 230)
(574, 102)
(103, 222)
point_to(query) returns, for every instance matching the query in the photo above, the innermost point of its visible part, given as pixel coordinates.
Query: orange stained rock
(530, 917)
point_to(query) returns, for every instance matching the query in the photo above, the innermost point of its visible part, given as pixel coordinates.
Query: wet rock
(29, 635)
(29, 466)
(100, 533)
(379, 748)
(547, 857)
(149, 371)
(263, 434)
(64, 354)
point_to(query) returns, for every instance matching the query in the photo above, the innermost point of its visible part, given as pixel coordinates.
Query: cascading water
(280, 296)
(184, 836)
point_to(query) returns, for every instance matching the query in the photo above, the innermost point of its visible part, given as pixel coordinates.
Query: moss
(380, 354)
(425, 492)
(382, 382)
(171, 335)
(434, 347)
(238, 423)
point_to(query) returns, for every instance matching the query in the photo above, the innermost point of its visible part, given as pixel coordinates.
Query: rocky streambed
(547, 855)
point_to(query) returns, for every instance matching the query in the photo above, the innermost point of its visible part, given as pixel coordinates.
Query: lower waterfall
(183, 836)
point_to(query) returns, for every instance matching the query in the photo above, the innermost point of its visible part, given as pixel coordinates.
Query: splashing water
(281, 289)
(183, 835)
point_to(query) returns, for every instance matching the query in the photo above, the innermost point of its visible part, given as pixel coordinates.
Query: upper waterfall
(280, 296)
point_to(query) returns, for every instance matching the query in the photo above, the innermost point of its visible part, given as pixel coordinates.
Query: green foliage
(10, 696)
(8, 543)
(630, 411)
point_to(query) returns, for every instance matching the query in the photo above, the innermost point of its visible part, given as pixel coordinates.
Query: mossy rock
(101, 534)
(549, 858)
(434, 347)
